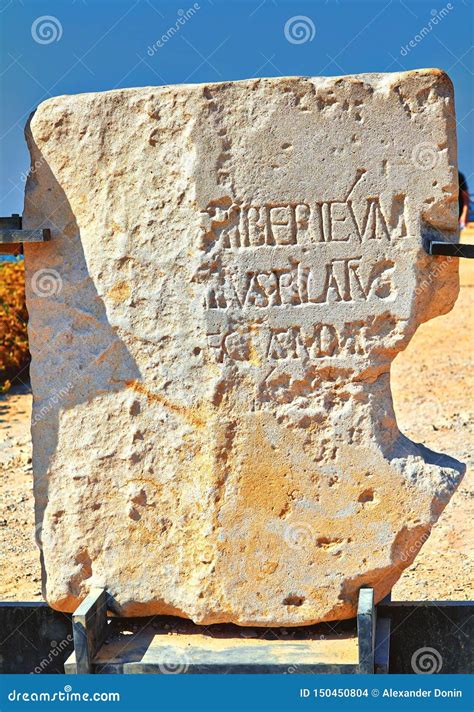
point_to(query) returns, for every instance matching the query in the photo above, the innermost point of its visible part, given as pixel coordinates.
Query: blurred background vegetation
(14, 354)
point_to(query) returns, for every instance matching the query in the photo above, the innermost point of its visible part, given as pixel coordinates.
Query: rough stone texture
(233, 268)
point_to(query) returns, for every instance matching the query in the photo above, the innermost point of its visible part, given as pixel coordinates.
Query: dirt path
(432, 385)
(20, 571)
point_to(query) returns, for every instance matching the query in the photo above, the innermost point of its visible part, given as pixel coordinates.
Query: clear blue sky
(94, 45)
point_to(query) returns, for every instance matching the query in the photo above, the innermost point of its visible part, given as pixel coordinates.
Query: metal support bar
(12, 235)
(89, 628)
(450, 249)
(366, 630)
(15, 236)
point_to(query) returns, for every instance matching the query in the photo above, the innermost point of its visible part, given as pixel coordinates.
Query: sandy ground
(19, 556)
(432, 386)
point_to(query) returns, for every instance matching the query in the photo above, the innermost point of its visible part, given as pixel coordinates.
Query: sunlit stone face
(234, 267)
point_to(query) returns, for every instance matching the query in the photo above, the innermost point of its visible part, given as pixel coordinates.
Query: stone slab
(233, 267)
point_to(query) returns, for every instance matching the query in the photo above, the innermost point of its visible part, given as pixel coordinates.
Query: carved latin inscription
(258, 344)
(234, 225)
(336, 281)
(262, 260)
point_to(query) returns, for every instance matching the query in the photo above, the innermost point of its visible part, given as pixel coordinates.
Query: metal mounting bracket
(449, 249)
(150, 650)
(12, 235)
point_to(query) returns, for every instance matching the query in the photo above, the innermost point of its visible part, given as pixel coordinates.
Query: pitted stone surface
(233, 267)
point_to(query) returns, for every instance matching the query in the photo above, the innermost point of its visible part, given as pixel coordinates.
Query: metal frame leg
(366, 630)
(89, 628)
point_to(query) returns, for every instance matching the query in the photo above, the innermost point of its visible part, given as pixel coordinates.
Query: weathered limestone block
(233, 267)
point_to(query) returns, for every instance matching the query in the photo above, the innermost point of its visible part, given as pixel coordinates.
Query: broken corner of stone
(233, 268)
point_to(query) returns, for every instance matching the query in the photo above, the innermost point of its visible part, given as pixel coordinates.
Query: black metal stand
(125, 646)
(450, 249)
(12, 235)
